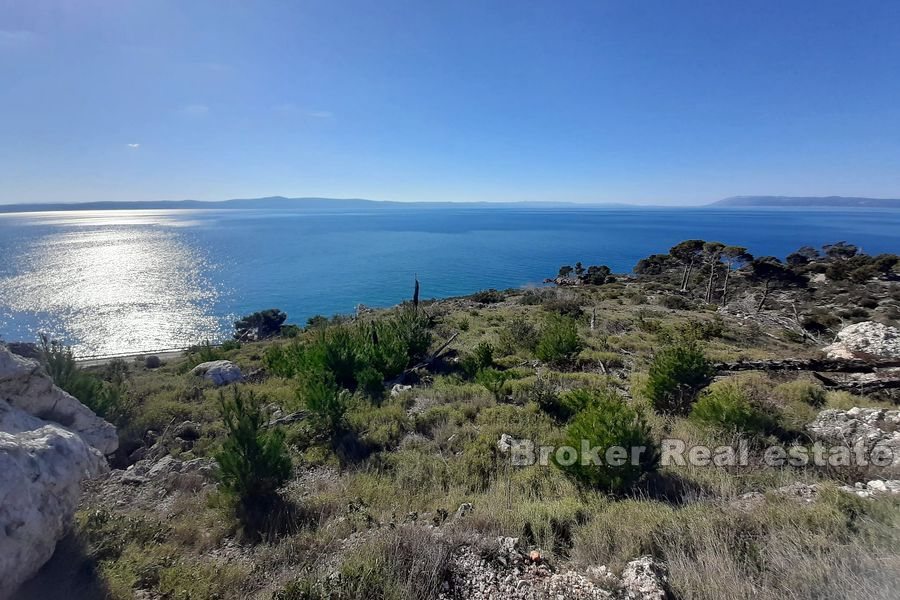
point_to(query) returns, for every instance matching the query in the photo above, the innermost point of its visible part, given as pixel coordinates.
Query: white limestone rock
(24, 385)
(866, 340)
(49, 444)
(220, 372)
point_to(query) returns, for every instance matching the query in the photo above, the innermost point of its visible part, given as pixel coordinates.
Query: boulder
(866, 340)
(860, 428)
(875, 487)
(220, 372)
(49, 444)
(645, 579)
(24, 386)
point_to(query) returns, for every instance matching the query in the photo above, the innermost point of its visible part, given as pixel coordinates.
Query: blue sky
(643, 101)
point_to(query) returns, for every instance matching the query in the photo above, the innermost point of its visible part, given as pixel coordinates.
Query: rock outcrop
(49, 444)
(865, 428)
(866, 340)
(219, 372)
(514, 574)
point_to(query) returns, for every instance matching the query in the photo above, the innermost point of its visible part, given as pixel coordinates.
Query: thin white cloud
(134, 146)
(195, 110)
(16, 38)
(289, 108)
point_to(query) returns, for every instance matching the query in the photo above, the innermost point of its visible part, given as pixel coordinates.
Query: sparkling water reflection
(112, 285)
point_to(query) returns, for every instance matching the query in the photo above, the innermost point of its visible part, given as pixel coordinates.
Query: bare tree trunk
(725, 287)
(709, 284)
(687, 276)
(765, 295)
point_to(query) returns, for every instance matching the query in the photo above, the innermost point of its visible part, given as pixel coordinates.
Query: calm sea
(111, 282)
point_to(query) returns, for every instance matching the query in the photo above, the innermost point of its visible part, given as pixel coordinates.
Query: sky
(637, 101)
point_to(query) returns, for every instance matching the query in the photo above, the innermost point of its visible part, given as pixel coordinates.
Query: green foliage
(359, 356)
(259, 325)
(106, 398)
(253, 461)
(568, 404)
(495, 382)
(481, 357)
(606, 422)
(569, 307)
(518, 334)
(324, 399)
(490, 296)
(201, 353)
(677, 373)
(559, 342)
(725, 405)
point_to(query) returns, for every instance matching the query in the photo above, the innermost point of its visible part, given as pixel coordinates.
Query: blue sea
(120, 281)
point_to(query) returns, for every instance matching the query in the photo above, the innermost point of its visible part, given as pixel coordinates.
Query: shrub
(106, 399)
(259, 325)
(609, 422)
(489, 296)
(677, 373)
(724, 405)
(803, 391)
(518, 333)
(494, 381)
(253, 461)
(675, 302)
(559, 342)
(564, 306)
(326, 402)
(481, 357)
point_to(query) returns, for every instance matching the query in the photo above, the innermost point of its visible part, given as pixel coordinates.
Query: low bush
(106, 398)
(518, 334)
(259, 325)
(490, 296)
(559, 343)
(724, 405)
(677, 373)
(607, 422)
(253, 461)
(481, 357)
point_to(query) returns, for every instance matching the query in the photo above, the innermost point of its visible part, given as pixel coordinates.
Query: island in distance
(809, 201)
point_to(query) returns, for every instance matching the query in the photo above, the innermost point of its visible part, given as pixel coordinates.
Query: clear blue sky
(661, 101)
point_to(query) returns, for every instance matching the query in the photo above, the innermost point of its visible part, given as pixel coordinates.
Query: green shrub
(324, 399)
(495, 382)
(675, 302)
(106, 399)
(568, 307)
(356, 356)
(253, 461)
(803, 391)
(481, 357)
(518, 334)
(725, 405)
(259, 325)
(559, 342)
(677, 373)
(489, 296)
(607, 422)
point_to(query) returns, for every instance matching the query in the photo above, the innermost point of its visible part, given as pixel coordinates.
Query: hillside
(392, 443)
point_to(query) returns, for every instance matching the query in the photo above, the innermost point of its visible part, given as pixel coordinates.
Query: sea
(121, 282)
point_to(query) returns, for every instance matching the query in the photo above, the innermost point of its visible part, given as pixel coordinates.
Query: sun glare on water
(114, 286)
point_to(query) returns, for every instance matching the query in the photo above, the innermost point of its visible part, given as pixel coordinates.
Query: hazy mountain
(811, 201)
(275, 203)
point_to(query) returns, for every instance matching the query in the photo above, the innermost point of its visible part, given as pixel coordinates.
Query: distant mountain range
(357, 204)
(275, 203)
(810, 201)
